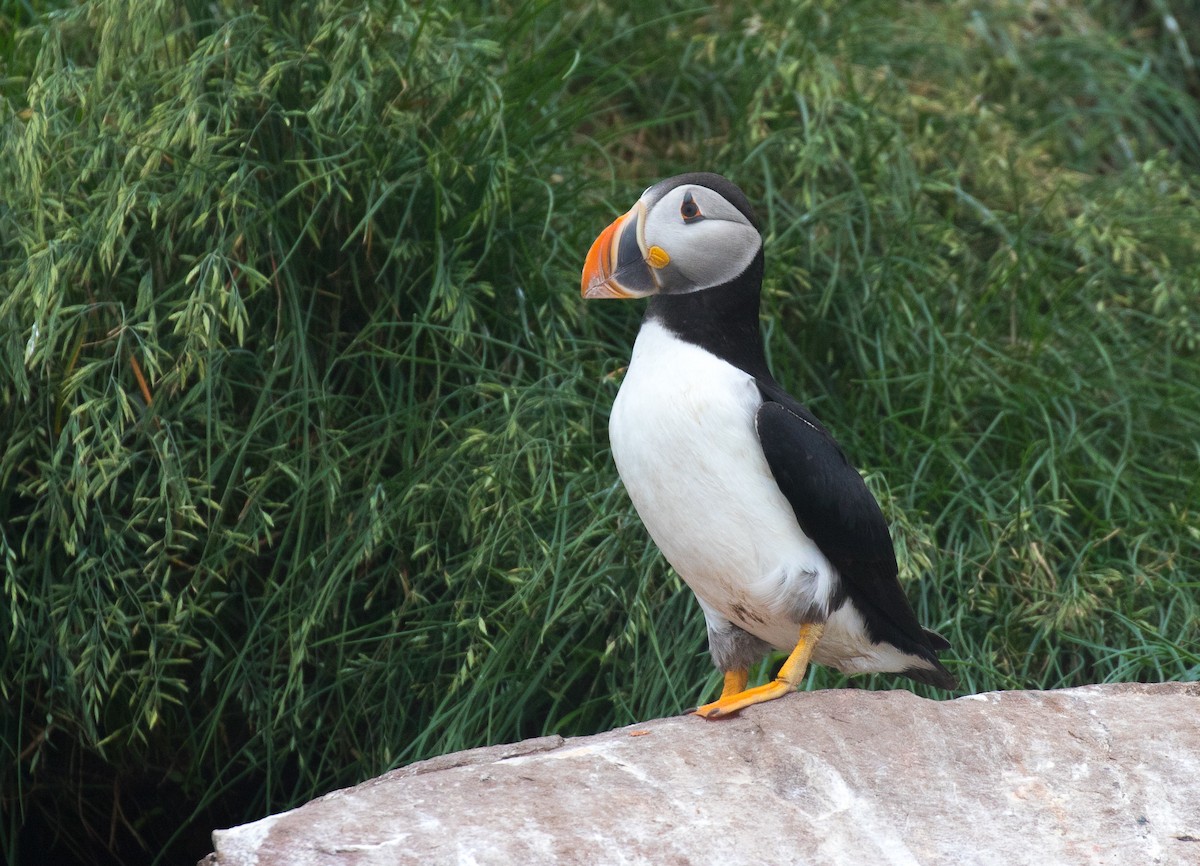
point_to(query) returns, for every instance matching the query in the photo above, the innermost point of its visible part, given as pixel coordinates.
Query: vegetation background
(303, 462)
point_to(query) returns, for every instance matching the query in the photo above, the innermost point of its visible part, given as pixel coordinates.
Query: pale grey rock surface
(1094, 775)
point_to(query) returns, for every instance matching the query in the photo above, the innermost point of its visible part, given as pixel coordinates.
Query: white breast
(683, 438)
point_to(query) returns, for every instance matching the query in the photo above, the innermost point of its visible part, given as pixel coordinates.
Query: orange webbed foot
(735, 696)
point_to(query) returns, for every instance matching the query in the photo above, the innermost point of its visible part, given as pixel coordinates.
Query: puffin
(746, 494)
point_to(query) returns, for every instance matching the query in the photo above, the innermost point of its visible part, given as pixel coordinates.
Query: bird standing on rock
(743, 490)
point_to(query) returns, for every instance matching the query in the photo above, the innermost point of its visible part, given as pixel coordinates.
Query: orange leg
(735, 683)
(735, 696)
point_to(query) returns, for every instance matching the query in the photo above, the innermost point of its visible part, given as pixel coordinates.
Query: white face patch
(709, 241)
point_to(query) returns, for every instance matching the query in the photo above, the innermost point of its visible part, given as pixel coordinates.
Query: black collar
(722, 320)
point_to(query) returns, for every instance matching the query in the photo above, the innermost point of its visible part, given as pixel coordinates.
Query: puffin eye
(689, 210)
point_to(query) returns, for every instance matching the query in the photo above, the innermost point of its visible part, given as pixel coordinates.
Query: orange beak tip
(597, 267)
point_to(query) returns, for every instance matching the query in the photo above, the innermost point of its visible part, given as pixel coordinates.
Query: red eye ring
(689, 210)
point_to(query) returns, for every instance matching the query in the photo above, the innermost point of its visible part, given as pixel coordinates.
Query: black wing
(836, 510)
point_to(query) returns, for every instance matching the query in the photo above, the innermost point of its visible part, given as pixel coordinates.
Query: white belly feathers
(683, 439)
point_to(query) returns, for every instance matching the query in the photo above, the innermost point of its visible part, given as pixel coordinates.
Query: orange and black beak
(618, 265)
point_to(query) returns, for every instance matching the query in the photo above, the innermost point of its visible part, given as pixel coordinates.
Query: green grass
(362, 510)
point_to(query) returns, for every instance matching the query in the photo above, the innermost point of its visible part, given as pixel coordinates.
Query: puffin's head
(686, 233)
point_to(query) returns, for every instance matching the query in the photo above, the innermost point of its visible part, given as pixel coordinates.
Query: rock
(1094, 775)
